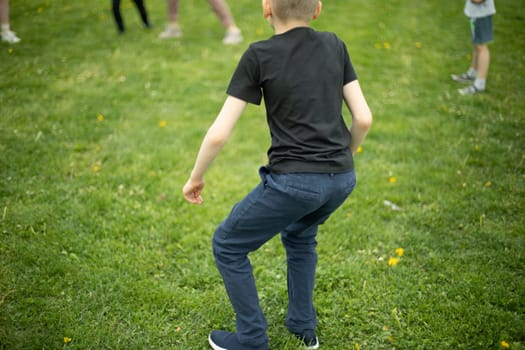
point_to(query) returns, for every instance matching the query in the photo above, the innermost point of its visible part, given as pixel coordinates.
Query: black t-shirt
(301, 74)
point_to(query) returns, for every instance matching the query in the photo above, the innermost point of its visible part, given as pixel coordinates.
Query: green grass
(98, 133)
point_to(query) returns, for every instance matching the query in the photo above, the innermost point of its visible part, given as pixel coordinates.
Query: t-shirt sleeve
(349, 72)
(245, 80)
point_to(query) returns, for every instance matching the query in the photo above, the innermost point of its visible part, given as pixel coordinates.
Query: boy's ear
(318, 10)
(267, 8)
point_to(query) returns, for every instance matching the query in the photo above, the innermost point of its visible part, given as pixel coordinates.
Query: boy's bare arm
(216, 137)
(361, 114)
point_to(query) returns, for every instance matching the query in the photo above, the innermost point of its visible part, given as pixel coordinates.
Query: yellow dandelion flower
(357, 346)
(393, 261)
(163, 123)
(488, 184)
(392, 179)
(40, 10)
(177, 329)
(100, 117)
(96, 168)
(419, 45)
(400, 251)
(359, 149)
(10, 50)
(387, 45)
(477, 148)
(504, 344)
(67, 340)
(378, 45)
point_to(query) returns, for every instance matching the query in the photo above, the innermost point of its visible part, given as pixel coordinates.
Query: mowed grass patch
(99, 132)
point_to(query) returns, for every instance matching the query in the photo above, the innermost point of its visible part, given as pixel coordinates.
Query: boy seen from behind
(304, 76)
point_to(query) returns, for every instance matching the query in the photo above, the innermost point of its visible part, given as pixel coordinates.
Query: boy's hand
(192, 191)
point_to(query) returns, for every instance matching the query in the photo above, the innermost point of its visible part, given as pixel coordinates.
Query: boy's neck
(282, 27)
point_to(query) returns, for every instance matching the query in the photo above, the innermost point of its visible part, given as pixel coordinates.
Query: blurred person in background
(220, 7)
(480, 13)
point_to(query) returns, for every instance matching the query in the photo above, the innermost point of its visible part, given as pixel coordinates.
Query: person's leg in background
(172, 28)
(141, 7)
(118, 16)
(222, 10)
(7, 34)
(482, 35)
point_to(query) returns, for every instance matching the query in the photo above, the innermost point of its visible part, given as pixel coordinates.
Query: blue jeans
(294, 205)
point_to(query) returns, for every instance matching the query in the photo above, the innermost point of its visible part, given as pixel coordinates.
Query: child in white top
(480, 13)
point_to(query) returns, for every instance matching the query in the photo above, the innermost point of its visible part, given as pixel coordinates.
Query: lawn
(99, 131)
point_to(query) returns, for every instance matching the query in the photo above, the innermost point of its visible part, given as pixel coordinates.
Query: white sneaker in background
(171, 32)
(10, 37)
(232, 37)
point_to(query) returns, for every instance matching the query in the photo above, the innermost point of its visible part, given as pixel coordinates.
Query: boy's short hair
(294, 9)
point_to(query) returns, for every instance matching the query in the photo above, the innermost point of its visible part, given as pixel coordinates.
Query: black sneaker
(222, 340)
(309, 339)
